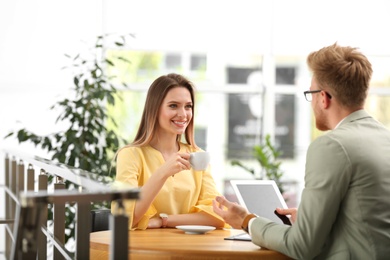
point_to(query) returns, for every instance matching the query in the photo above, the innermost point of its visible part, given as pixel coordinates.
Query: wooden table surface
(171, 243)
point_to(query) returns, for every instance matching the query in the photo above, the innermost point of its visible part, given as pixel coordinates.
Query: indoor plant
(268, 158)
(88, 143)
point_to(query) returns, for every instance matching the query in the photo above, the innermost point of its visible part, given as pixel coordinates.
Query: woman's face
(175, 111)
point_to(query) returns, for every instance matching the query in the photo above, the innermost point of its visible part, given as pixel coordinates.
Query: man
(344, 211)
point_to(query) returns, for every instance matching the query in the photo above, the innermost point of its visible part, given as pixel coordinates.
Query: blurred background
(247, 59)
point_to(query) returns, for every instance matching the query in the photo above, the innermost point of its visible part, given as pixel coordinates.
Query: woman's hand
(155, 223)
(176, 163)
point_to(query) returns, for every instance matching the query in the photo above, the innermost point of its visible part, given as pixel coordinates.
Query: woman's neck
(166, 146)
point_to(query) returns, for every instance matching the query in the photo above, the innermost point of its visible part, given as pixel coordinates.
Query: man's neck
(340, 115)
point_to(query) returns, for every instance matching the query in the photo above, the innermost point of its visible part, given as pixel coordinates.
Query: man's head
(343, 72)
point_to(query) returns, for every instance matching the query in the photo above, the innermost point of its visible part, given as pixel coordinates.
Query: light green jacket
(344, 211)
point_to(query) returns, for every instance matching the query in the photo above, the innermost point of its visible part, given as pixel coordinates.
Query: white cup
(200, 160)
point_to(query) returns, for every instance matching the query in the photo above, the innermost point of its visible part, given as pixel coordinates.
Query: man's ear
(325, 100)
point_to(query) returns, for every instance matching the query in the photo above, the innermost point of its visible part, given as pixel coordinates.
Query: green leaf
(8, 135)
(22, 136)
(110, 99)
(238, 163)
(76, 81)
(109, 62)
(124, 59)
(76, 57)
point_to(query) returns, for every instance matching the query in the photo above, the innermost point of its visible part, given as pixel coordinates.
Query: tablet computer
(261, 197)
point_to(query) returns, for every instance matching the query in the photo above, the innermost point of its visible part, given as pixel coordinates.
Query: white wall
(34, 36)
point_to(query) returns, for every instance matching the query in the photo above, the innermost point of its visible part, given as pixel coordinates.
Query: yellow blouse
(189, 191)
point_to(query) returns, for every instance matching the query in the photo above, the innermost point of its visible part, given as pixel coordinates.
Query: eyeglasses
(309, 96)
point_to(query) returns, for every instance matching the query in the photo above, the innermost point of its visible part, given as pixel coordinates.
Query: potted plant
(268, 158)
(88, 143)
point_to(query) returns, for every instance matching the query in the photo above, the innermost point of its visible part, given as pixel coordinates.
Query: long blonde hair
(156, 94)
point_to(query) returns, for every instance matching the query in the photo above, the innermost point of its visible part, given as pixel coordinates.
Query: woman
(157, 161)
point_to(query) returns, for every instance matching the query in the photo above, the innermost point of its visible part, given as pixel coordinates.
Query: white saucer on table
(195, 229)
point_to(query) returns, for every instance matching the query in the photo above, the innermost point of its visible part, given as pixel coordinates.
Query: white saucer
(195, 229)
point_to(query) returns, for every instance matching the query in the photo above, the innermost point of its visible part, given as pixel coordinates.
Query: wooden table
(170, 243)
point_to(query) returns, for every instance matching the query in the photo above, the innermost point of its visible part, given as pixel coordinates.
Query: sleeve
(129, 171)
(208, 192)
(327, 176)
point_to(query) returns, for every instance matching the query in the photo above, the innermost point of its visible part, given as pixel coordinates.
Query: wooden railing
(28, 194)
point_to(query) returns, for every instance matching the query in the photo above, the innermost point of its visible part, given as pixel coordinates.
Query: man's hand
(232, 213)
(289, 212)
